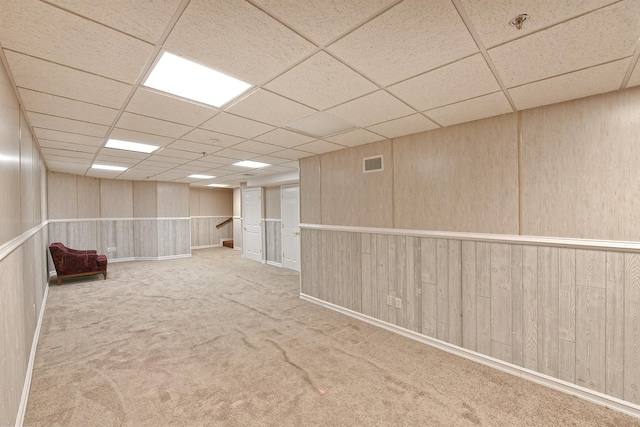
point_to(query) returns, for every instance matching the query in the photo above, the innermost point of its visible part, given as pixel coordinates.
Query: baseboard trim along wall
(22, 409)
(275, 264)
(551, 382)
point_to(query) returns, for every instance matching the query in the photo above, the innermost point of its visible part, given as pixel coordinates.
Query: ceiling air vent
(373, 164)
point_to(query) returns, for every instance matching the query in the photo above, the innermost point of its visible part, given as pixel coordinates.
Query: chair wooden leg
(104, 273)
(59, 281)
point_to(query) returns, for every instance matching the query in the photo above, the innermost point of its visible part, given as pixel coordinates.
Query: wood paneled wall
(310, 205)
(273, 240)
(272, 205)
(573, 314)
(205, 233)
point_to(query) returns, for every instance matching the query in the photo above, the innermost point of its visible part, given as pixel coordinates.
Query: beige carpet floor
(215, 340)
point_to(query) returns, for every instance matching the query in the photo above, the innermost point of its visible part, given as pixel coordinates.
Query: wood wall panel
(534, 312)
(88, 197)
(173, 200)
(145, 241)
(272, 205)
(27, 196)
(62, 191)
(458, 178)
(145, 199)
(273, 240)
(116, 199)
(310, 197)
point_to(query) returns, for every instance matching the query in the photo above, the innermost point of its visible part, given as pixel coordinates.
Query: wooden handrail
(226, 221)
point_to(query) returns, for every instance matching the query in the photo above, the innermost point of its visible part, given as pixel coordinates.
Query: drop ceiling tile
(232, 153)
(123, 153)
(602, 36)
(47, 143)
(67, 159)
(146, 169)
(44, 103)
(404, 126)
(144, 138)
(117, 160)
(320, 20)
(464, 79)
(189, 155)
(599, 79)
(406, 40)
(167, 160)
(319, 147)
(490, 105)
(155, 162)
(150, 125)
(270, 108)
(44, 121)
(205, 163)
(227, 36)
(47, 77)
(194, 147)
(635, 77)
(133, 175)
(272, 160)
(292, 154)
(356, 137)
(73, 138)
(72, 168)
(166, 107)
(98, 173)
(237, 126)
(143, 19)
(257, 147)
(321, 82)
(66, 153)
(371, 109)
(284, 138)
(41, 30)
(491, 18)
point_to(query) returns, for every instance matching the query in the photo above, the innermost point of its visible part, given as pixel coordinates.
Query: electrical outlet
(398, 303)
(111, 249)
(389, 300)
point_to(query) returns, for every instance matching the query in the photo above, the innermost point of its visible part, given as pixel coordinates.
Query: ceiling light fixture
(186, 79)
(109, 168)
(250, 164)
(198, 176)
(131, 146)
(218, 185)
(519, 20)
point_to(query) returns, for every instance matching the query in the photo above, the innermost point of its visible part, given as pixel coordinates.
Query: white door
(291, 227)
(252, 224)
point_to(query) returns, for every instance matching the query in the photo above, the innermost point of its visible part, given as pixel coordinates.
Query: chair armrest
(82, 252)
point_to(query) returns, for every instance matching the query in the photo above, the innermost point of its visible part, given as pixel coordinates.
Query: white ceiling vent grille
(373, 164)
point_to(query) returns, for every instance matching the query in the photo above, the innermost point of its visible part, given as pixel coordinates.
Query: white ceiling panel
(71, 160)
(166, 107)
(214, 139)
(144, 138)
(115, 160)
(78, 148)
(238, 126)
(321, 20)
(242, 34)
(292, 154)
(194, 147)
(635, 77)
(231, 153)
(404, 126)
(370, 109)
(157, 161)
(46, 32)
(319, 147)
(455, 82)
(47, 77)
(179, 154)
(58, 166)
(67, 125)
(605, 35)
(143, 19)
(272, 160)
(600, 79)
(406, 40)
(356, 137)
(491, 18)
(55, 135)
(284, 138)
(150, 125)
(167, 160)
(54, 105)
(270, 108)
(66, 153)
(123, 153)
(321, 82)
(257, 147)
(490, 105)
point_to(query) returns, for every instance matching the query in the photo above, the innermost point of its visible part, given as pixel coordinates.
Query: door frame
(259, 190)
(282, 189)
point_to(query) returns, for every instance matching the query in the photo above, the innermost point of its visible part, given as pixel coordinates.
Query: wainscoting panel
(145, 238)
(173, 237)
(273, 240)
(237, 232)
(567, 312)
(204, 231)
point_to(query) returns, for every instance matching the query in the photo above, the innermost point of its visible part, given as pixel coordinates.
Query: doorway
(252, 224)
(291, 227)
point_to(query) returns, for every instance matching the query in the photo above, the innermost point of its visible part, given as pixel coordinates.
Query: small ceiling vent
(373, 164)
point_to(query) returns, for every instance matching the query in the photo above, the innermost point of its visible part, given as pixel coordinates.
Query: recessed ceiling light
(321, 125)
(109, 168)
(198, 176)
(217, 185)
(131, 146)
(181, 77)
(250, 164)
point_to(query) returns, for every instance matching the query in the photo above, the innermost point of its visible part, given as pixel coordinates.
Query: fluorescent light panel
(131, 146)
(250, 164)
(181, 77)
(198, 176)
(217, 185)
(109, 168)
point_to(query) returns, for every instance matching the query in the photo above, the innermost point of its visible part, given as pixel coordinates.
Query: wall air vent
(372, 164)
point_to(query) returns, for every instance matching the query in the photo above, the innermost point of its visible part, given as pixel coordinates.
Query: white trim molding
(554, 383)
(563, 242)
(15, 243)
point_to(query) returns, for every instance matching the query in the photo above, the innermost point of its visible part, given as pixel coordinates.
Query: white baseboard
(536, 377)
(275, 264)
(206, 246)
(22, 409)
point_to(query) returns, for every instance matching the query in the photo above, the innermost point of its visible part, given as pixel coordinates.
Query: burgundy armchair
(73, 263)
